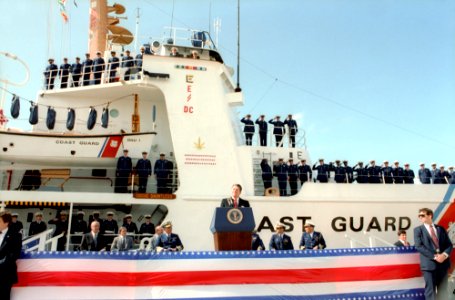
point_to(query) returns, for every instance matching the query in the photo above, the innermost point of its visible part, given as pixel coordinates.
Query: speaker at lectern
(232, 228)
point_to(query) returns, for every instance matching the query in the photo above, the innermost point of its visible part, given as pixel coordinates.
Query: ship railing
(372, 240)
(354, 243)
(188, 37)
(300, 138)
(41, 242)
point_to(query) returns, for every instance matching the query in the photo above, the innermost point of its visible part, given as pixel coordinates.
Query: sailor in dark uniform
(323, 171)
(162, 172)
(139, 60)
(129, 224)
(64, 73)
(305, 173)
(147, 227)
(87, 69)
(293, 175)
(349, 172)
(362, 173)
(50, 74)
(114, 63)
(128, 63)
(78, 227)
(262, 124)
(280, 170)
(267, 174)
(408, 174)
(38, 225)
(374, 172)
(434, 172)
(280, 240)
(340, 172)
(61, 226)
(248, 129)
(169, 241)
(278, 130)
(442, 176)
(109, 227)
(98, 68)
(256, 242)
(143, 170)
(16, 225)
(387, 172)
(424, 174)
(398, 174)
(311, 240)
(76, 71)
(123, 171)
(292, 126)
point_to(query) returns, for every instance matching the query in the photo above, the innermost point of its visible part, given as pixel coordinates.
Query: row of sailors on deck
(103, 232)
(279, 129)
(82, 73)
(343, 173)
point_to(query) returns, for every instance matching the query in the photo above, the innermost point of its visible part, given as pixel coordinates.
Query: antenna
(138, 15)
(217, 25)
(238, 89)
(172, 18)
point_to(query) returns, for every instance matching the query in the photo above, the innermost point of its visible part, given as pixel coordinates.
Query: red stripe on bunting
(218, 277)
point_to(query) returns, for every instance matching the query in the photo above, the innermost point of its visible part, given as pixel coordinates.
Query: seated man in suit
(235, 200)
(93, 240)
(434, 246)
(280, 240)
(10, 250)
(311, 240)
(402, 239)
(169, 241)
(122, 242)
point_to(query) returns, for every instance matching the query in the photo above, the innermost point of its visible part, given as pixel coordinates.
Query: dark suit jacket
(10, 250)
(276, 243)
(88, 242)
(228, 202)
(400, 244)
(424, 245)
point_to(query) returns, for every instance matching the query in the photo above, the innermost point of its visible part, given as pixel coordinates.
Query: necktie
(95, 240)
(235, 203)
(434, 237)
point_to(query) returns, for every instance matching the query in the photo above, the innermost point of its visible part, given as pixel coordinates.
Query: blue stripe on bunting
(138, 255)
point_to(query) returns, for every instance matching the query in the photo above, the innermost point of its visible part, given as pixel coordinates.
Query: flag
(367, 273)
(63, 13)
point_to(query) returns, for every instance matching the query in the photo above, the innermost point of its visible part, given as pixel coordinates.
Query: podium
(232, 228)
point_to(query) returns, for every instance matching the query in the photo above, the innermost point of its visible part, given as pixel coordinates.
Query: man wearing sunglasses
(434, 247)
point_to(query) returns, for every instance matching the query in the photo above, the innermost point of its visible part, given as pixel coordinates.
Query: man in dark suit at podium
(235, 200)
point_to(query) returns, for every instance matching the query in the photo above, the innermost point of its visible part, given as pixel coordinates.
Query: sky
(365, 79)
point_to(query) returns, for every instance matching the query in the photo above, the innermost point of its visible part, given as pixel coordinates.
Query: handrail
(43, 241)
(354, 242)
(372, 240)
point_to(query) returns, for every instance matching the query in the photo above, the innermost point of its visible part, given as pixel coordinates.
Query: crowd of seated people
(97, 234)
(290, 173)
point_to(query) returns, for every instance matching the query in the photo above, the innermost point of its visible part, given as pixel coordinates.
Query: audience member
(256, 242)
(169, 241)
(292, 127)
(408, 174)
(61, 227)
(293, 175)
(128, 64)
(114, 63)
(123, 172)
(98, 68)
(402, 239)
(280, 240)
(76, 71)
(147, 227)
(50, 74)
(15, 224)
(248, 129)
(424, 174)
(278, 130)
(156, 238)
(86, 69)
(311, 240)
(387, 173)
(162, 174)
(434, 172)
(64, 73)
(262, 126)
(398, 173)
(280, 171)
(38, 225)
(78, 228)
(305, 173)
(122, 242)
(129, 224)
(143, 170)
(267, 174)
(93, 240)
(139, 61)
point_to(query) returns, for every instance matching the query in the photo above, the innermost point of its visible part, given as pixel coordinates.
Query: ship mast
(135, 118)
